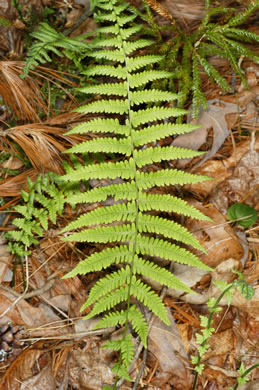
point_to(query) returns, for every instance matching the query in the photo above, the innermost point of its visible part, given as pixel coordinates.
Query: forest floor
(44, 341)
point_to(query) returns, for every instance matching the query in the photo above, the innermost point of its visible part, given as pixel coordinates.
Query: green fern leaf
(154, 114)
(126, 214)
(108, 214)
(138, 323)
(128, 32)
(157, 154)
(161, 275)
(121, 169)
(108, 302)
(169, 229)
(101, 126)
(107, 70)
(112, 55)
(107, 145)
(119, 89)
(101, 260)
(166, 250)
(110, 107)
(112, 319)
(156, 132)
(149, 298)
(168, 203)
(167, 177)
(107, 284)
(118, 191)
(104, 234)
(142, 78)
(151, 96)
(136, 63)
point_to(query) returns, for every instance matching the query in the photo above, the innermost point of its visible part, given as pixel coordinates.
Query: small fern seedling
(202, 340)
(43, 202)
(133, 119)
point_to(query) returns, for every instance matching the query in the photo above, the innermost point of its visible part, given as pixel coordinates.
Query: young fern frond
(129, 224)
(49, 40)
(45, 192)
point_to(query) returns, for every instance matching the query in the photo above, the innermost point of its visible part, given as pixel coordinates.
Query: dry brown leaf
(42, 381)
(217, 237)
(13, 185)
(166, 346)
(241, 186)
(220, 170)
(89, 369)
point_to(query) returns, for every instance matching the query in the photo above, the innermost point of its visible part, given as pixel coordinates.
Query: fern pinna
(133, 232)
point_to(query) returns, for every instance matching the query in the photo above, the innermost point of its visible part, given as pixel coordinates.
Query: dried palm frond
(41, 143)
(24, 96)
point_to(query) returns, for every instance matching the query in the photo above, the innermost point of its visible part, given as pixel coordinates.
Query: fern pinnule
(135, 116)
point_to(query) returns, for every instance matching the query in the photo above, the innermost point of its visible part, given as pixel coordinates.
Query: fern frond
(119, 89)
(164, 249)
(107, 214)
(159, 274)
(155, 113)
(104, 234)
(169, 229)
(107, 284)
(156, 132)
(151, 96)
(125, 219)
(169, 204)
(144, 77)
(150, 299)
(136, 63)
(110, 107)
(157, 154)
(121, 169)
(167, 177)
(99, 194)
(99, 125)
(107, 70)
(48, 40)
(101, 260)
(106, 145)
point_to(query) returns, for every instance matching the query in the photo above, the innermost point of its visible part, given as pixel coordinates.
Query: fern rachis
(137, 234)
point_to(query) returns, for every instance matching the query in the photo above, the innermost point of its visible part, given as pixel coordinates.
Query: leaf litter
(60, 349)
